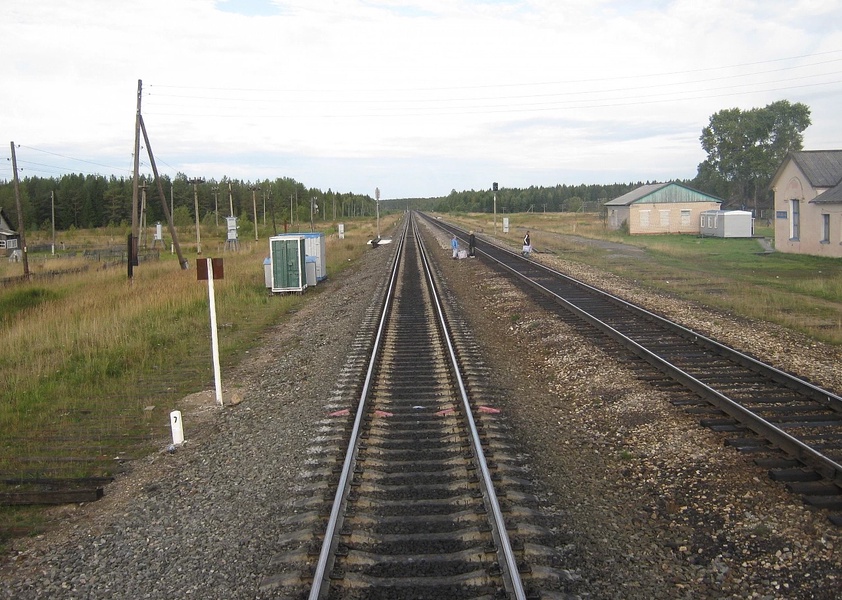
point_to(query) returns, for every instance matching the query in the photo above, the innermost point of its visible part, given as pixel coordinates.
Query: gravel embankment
(651, 504)
(202, 522)
(656, 506)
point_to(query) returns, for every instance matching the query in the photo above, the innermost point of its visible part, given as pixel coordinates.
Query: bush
(624, 227)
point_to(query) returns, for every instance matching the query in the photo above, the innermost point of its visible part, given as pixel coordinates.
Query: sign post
(210, 269)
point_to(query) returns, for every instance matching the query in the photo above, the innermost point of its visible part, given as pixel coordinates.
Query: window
(665, 218)
(685, 217)
(795, 222)
(2, 244)
(644, 218)
(825, 229)
(12, 243)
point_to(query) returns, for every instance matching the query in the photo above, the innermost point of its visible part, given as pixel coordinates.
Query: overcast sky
(416, 97)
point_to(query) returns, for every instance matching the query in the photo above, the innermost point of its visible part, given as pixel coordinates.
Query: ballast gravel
(651, 505)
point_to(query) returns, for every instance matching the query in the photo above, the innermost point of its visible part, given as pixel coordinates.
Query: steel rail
(334, 521)
(810, 390)
(512, 575)
(827, 467)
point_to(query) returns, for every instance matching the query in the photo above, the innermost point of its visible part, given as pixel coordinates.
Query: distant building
(660, 208)
(808, 203)
(9, 238)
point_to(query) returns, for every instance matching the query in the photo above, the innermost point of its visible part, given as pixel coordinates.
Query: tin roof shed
(662, 193)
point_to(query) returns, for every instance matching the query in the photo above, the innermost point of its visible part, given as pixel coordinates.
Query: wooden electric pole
(21, 224)
(254, 189)
(140, 238)
(140, 128)
(132, 246)
(196, 181)
(181, 260)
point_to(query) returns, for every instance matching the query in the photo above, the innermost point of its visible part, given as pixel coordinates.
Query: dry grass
(93, 363)
(802, 293)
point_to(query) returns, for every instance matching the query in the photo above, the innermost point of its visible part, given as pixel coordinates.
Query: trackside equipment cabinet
(288, 263)
(314, 247)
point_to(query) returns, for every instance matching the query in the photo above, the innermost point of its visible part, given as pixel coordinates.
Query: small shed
(726, 223)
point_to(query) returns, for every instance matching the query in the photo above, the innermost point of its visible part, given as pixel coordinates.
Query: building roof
(5, 226)
(735, 213)
(662, 193)
(823, 170)
(831, 196)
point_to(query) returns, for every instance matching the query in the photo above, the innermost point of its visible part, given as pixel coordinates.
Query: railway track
(427, 499)
(788, 425)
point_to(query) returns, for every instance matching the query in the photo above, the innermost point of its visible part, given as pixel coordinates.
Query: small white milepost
(177, 428)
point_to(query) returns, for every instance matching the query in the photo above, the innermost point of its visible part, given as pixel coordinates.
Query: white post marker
(217, 378)
(177, 428)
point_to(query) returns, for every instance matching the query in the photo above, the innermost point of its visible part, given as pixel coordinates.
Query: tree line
(744, 149)
(92, 201)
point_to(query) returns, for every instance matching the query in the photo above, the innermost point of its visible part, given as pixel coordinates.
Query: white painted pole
(217, 378)
(177, 428)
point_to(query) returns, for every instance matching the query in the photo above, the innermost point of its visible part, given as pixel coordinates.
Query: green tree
(182, 217)
(745, 148)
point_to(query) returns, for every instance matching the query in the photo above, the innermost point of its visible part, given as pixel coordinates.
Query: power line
(56, 169)
(664, 90)
(538, 83)
(668, 95)
(73, 158)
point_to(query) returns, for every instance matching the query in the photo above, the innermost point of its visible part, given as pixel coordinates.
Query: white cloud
(329, 91)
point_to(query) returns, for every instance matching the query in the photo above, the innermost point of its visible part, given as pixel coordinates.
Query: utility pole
(173, 233)
(53, 213)
(272, 210)
(141, 234)
(215, 190)
(377, 208)
(254, 189)
(196, 181)
(21, 226)
(494, 188)
(230, 201)
(140, 127)
(132, 258)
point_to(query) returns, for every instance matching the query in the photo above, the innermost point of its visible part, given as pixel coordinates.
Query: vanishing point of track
(429, 501)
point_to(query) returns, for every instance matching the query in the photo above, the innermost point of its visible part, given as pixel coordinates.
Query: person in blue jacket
(454, 244)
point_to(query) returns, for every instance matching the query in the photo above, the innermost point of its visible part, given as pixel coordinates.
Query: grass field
(803, 293)
(93, 363)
